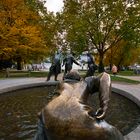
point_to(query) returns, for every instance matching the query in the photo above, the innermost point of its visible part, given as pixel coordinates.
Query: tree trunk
(101, 65)
(110, 62)
(120, 61)
(19, 63)
(7, 72)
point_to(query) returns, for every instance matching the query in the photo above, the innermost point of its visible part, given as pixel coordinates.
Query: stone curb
(127, 95)
(25, 86)
(134, 135)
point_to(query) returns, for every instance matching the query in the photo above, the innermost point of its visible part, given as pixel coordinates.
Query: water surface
(18, 112)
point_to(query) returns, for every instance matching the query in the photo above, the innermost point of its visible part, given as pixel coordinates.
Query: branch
(93, 41)
(116, 40)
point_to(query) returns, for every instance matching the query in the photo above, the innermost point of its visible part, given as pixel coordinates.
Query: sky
(54, 5)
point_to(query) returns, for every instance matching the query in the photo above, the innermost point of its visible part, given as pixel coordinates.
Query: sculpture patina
(91, 65)
(55, 68)
(69, 117)
(68, 62)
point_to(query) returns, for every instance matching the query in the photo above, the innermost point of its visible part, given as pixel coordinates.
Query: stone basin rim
(54, 83)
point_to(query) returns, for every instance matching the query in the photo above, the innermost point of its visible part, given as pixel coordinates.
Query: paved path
(13, 82)
(137, 78)
(6, 83)
(134, 91)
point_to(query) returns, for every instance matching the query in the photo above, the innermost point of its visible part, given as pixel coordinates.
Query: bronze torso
(67, 116)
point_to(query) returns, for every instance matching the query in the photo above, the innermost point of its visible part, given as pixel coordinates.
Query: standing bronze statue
(69, 117)
(68, 62)
(91, 65)
(55, 68)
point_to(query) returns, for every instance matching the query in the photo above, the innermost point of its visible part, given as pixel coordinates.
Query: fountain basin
(25, 125)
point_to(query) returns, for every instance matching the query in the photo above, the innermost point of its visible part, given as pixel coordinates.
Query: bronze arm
(104, 94)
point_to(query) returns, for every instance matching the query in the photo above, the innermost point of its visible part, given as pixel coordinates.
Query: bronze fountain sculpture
(69, 117)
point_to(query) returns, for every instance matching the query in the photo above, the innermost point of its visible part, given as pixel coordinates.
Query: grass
(16, 74)
(120, 79)
(127, 73)
(19, 74)
(38, 74)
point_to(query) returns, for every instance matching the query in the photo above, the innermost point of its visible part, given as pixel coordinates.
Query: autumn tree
(122, 55)
(72, 25)
(21, 34)
(47, 22)
(101, 24)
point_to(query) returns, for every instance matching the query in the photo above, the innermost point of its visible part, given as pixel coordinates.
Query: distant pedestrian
(114, 70)
(55, 68)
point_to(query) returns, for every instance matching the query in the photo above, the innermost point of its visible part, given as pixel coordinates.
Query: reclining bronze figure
(69, 117)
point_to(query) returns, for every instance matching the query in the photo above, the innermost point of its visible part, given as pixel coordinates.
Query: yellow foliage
(14, 31)
(122, 54)
(20, 31)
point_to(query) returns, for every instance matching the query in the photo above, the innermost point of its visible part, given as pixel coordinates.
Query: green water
(18, 112)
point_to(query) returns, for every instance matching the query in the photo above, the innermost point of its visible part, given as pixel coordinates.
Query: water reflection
(18, 112)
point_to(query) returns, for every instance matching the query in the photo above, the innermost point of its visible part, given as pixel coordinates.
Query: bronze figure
(55, 68)
(69, 117)
(91, 65)
(68, 62)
